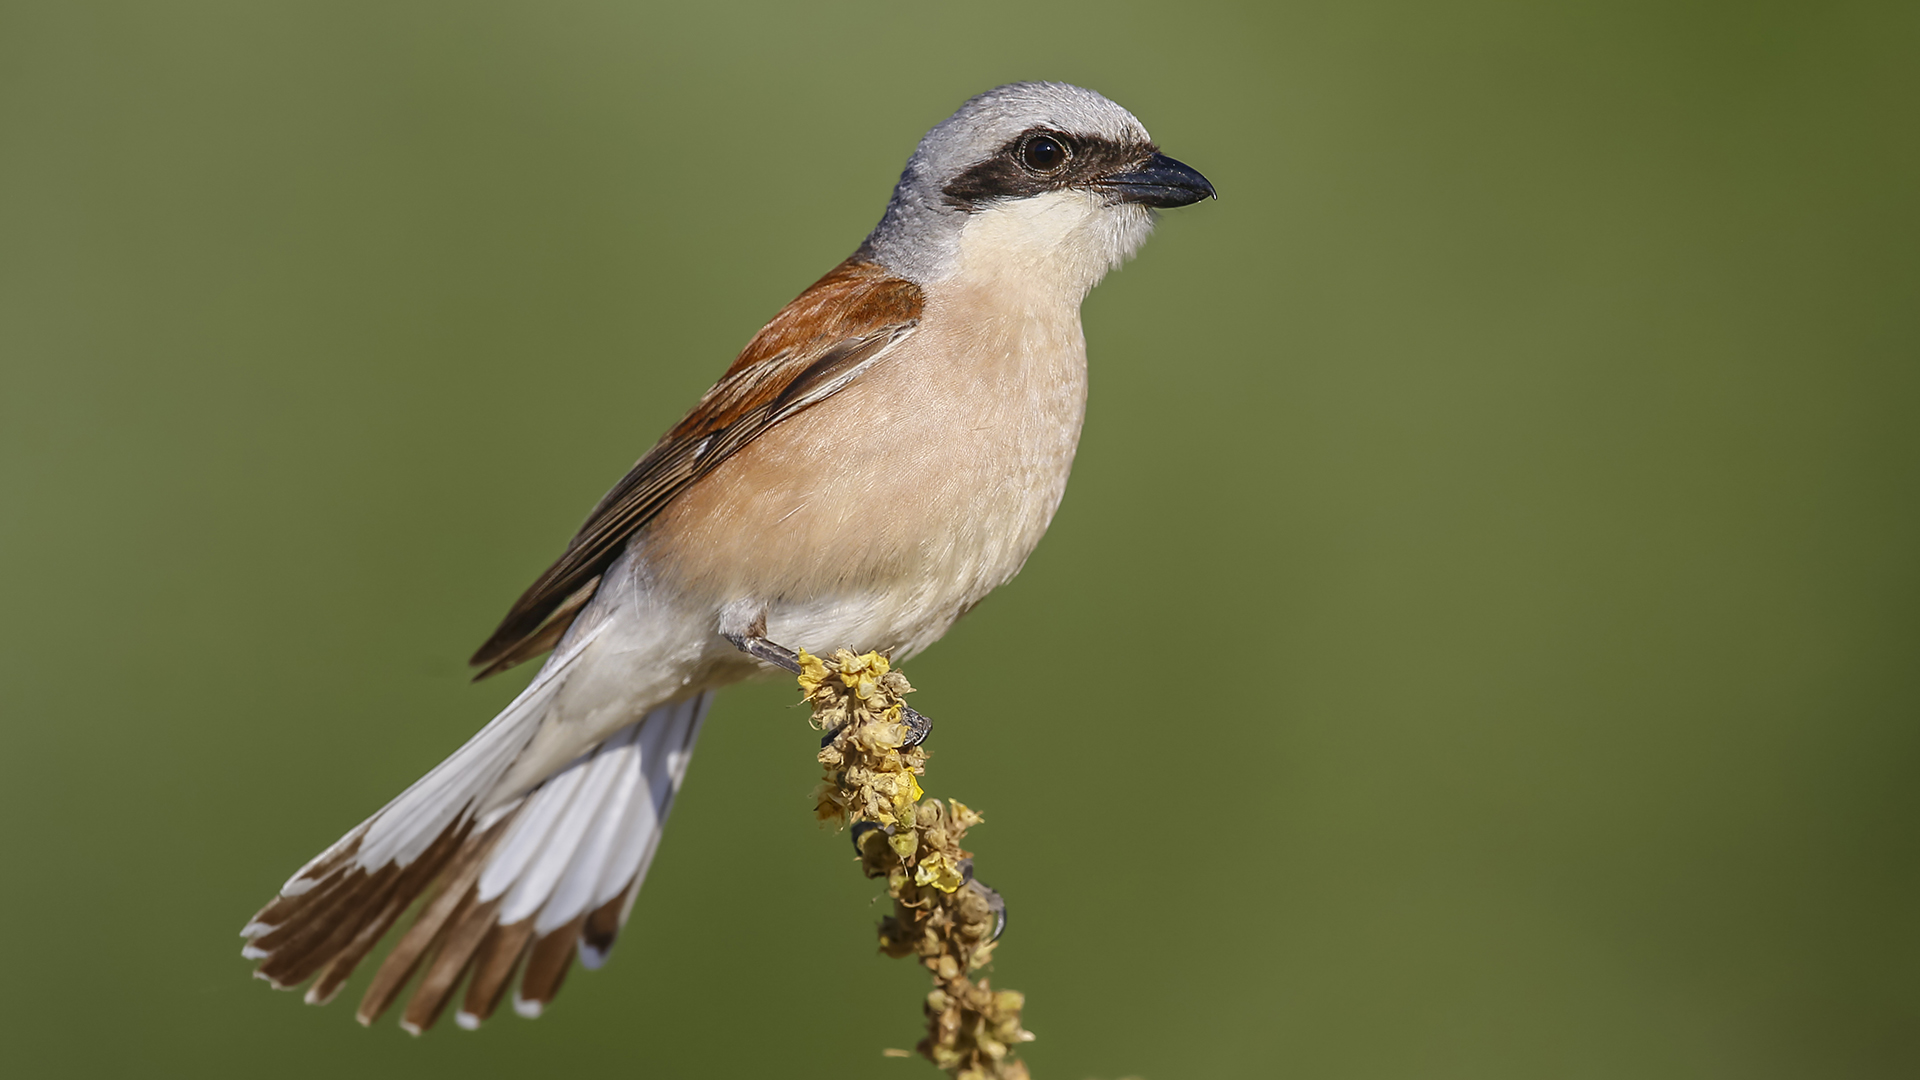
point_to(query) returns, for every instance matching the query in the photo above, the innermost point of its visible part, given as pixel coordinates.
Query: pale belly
(878, 517)
(872, 520)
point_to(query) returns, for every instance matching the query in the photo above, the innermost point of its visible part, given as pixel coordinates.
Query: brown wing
(815, 346)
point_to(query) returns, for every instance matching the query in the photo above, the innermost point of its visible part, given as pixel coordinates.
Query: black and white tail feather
(515, 888)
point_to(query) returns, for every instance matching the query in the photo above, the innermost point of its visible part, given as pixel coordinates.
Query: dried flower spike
(940, 913)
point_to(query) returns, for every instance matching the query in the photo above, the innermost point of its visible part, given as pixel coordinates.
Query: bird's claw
(995, 902)
(919, 725)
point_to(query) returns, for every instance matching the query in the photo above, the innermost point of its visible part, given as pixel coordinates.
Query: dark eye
(1044, 153)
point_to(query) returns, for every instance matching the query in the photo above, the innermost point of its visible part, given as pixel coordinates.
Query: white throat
(1058, 245)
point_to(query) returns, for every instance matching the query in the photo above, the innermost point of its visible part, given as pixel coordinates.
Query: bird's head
(1041, 181)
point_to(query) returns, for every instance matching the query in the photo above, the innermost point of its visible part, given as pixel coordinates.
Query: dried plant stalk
(940, 914)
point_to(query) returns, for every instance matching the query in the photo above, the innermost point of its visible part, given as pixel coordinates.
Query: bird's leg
(756, 644)
(762, 649)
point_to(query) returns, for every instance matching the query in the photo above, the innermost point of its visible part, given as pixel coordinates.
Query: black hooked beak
(1159, 181)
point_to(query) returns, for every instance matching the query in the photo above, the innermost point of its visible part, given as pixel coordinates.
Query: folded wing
(818, 344)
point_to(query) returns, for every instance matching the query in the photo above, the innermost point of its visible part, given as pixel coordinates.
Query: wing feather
(817, 345)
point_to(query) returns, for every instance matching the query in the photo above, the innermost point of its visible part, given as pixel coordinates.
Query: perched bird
(939, 373)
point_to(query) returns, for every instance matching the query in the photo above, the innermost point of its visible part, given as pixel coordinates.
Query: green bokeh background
(1483, 622)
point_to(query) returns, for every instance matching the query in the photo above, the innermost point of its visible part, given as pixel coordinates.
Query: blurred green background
(1484, 616)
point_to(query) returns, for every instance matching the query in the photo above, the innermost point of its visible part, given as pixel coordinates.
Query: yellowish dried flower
(940, 914)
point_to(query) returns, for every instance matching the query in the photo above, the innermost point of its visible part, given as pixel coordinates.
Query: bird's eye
(1044, 153)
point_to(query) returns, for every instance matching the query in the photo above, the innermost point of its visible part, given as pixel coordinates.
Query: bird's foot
(996, 903)
(919, 726)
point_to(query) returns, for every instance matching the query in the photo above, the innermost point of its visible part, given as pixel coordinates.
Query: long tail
(519, 888)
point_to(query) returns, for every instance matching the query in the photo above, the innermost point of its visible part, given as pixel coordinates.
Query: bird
(885, 452)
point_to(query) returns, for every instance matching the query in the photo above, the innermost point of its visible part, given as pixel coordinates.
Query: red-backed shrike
(882, 455)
